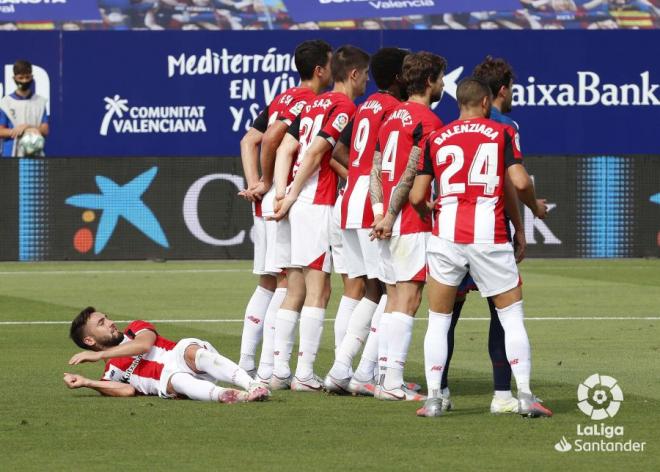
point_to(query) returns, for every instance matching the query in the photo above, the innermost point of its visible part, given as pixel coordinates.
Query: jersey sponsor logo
(151, 119)
(340, 122)
(127, 375)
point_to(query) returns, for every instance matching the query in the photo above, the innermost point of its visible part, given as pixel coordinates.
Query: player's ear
(89, 341)
(502, 91)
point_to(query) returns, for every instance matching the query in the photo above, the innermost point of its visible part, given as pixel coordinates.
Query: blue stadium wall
(586, 101)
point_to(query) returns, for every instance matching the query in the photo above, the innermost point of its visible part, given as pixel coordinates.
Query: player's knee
(354, 288)
(268, 282)
(189, 356)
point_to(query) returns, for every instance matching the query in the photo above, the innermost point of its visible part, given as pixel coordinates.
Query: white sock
(311, 329)
(356, 336)
(369, 360)
(285, 334)
(346, 307)
(399, 333)
(194, 388)
(435, 350)
(221, 368)
(266, 360)
(253, 326)
(516, 343)
(383, 330)
(503, 394)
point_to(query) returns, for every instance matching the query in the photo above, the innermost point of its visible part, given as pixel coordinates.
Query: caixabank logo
(115, 201)
(600, 398)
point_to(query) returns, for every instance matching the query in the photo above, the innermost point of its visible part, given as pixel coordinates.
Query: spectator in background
(22, 112)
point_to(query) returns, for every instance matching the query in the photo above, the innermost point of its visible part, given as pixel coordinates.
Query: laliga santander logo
(599, 397)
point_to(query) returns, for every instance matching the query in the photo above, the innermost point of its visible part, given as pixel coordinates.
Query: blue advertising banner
(196, 93)
(48, 10)
(324, 10)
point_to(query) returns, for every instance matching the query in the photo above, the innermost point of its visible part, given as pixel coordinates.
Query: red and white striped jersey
(285, 107)
(468, 159)
(326, 116)
(361, 137)
(141, 372)
(408, 125)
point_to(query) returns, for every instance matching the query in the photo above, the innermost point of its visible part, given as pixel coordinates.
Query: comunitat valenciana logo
(122, 118)
(600, 398)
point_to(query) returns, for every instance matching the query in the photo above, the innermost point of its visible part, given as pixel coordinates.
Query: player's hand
(283, 206)
(519, 246)
(541, 209)
(247, 195)
(377, 219)
(74, 381)
(383, 229)
(85, 356)
(259, 190)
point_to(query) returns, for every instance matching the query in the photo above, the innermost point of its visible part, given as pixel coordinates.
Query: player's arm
(250, 156)
(339, 169)
(284, 159)
(5, 130)
(143, 341)
(399, 196)
(376, 185)
(250, 153)
(521, 181)
(272, 139)
(421, 185)
(108, 388)
(512, 209)
(310, 163)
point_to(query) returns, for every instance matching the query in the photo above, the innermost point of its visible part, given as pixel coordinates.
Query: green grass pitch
(45, 426)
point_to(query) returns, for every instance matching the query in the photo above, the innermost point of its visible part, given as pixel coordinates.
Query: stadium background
(168, 108)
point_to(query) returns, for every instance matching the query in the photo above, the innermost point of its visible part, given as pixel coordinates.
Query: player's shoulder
(500, 117)
(136, 326)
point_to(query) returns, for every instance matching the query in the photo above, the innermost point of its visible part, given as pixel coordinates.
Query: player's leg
(255, 311)
(265, 370)
(357, 332)
(503, 400)
(353, 290)
(399, 334)
(285, 328)
(312, 317)
(494, 269)
(253, 322)
(364, 380)
(204, 359)
(184, 384)
(408, 254)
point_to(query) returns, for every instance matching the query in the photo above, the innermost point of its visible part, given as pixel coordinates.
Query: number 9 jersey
(468, 159)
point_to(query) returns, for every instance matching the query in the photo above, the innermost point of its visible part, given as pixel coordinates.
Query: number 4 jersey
(468, 159)
(409, 125)
(361, 137)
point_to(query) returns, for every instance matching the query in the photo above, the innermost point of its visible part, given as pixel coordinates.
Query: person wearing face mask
(21, 110)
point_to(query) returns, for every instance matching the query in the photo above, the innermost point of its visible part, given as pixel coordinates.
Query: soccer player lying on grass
(141, 362)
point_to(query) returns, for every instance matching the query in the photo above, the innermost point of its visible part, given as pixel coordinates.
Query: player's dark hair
(495, 72)
(310, 54)
(386, 64)
(419, 68)
(78, 327)
(345, 59)
(22, 67)
(471, 91)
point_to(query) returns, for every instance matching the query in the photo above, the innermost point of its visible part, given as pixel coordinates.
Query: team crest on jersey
(340, 122)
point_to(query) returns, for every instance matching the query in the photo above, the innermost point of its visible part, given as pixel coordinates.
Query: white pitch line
(538, 318)
(118, 271)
